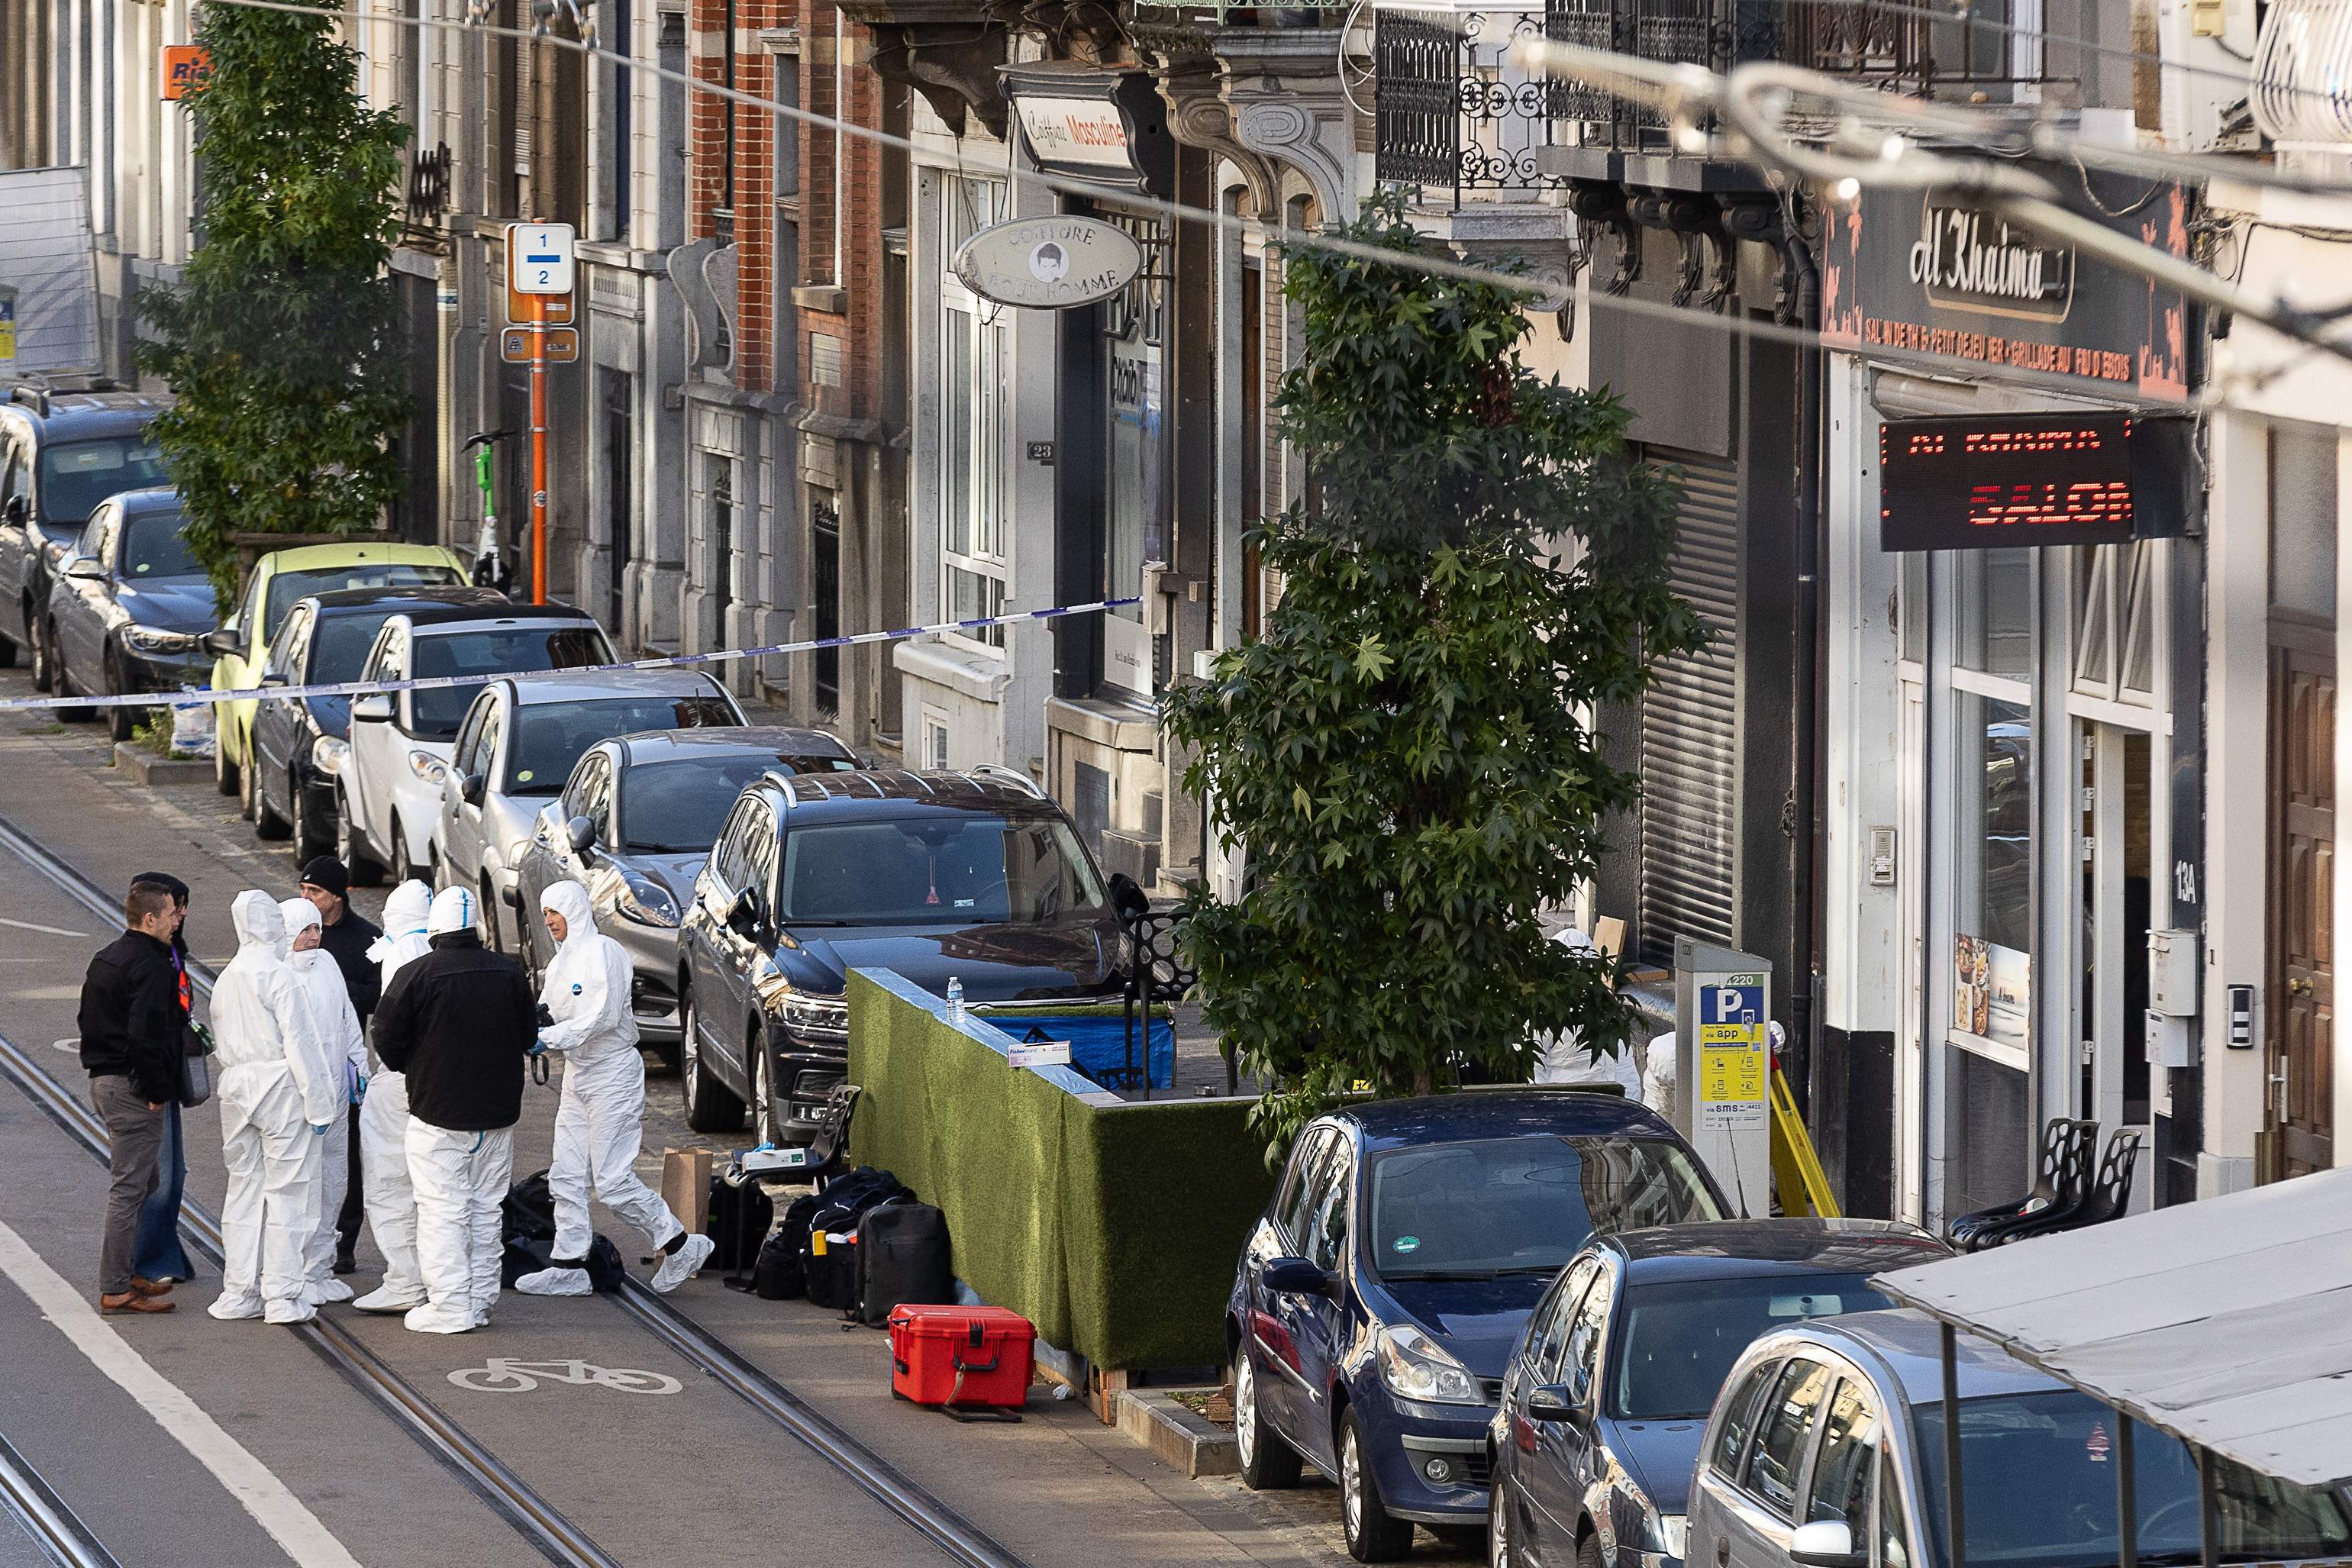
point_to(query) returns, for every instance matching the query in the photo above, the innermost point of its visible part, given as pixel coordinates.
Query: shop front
(2013, 703)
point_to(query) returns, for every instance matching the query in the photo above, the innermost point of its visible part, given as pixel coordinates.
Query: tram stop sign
(540, 258)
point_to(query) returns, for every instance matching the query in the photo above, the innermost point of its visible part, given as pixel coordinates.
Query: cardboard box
(686, 1187)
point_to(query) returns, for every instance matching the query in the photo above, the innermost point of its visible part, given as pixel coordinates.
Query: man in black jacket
(132, 1047)
(345, 936)
(458, 1021)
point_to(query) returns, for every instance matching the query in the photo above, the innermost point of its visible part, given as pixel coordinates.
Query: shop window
(1993, 911)
(2115, 622)
(1911, 609)
(1995, 603)
(973, 394)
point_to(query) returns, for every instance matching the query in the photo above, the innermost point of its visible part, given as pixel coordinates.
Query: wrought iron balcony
(2302, 73)
(1453, 111)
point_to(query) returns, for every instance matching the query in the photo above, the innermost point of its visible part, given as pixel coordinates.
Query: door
(1753, 1530)
(2299, 1133)
(376, 750)
(1844, 1471)
(15, 492)
(461, 819)
(1541, 1536)
(1319, 1323)
(1273, 1325)
(1910, 888)
(1566, 1460)
(78, 610)
(2116, 888)
(276, 722)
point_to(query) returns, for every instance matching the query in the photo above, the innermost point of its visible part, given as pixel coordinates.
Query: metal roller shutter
(1689, 725)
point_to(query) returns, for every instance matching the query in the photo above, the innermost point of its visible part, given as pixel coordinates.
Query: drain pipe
(1804, 686)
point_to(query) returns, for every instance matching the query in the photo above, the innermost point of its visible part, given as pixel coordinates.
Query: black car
(633, 824)
(298, 744)
(1606, 1399)
(973, 875)
(129, 609)
(61, 453)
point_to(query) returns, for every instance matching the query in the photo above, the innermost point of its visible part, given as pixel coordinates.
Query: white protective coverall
(1566, 1061)
(600, 1124)
(339, 1027)
(383, 1122)
(277, 1087)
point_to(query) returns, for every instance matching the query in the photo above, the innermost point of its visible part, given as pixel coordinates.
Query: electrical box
(2172, 973)
(2170, 1041)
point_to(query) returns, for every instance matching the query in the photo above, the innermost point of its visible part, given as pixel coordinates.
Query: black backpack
(832, 1273)
(527, 1219)
(740, 1218)
(782, 1272)
(902, 1255)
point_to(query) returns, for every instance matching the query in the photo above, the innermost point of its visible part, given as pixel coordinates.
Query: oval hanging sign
(1048, 263)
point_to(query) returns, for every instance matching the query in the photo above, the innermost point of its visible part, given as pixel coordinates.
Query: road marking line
(261, 1494)
(50, 930)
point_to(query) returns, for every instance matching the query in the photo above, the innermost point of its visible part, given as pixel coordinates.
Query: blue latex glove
(538, 1048)
(359, 1089)
(319, 1128)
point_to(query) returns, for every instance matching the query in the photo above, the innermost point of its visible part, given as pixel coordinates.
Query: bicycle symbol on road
(505, 1375)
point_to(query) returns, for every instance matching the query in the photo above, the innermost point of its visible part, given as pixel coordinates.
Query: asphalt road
(182, 1440)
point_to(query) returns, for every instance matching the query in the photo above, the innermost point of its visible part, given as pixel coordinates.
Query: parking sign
(539, 257)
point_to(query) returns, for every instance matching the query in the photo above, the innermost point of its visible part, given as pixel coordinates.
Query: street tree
(1407, 754)
(281, 340)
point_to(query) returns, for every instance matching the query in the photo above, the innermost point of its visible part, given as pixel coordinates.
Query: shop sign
(1105, 127)
(1996, 481)
(1076, 131)
(1905, 270)
(1048, 263)
(185, 66)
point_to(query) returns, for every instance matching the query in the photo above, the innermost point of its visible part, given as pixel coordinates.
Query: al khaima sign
(1931, 274)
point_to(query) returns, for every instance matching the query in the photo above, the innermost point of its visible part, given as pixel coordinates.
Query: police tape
(203, 696)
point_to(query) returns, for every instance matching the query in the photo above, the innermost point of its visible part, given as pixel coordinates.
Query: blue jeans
(161, 1255)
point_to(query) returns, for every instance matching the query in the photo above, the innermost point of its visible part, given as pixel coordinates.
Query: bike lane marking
(257, 1490)
(509, 1374)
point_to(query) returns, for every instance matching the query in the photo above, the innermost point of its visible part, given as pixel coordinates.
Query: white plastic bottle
(955, 1000)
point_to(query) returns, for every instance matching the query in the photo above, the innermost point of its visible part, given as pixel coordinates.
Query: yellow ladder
(1797, 1173)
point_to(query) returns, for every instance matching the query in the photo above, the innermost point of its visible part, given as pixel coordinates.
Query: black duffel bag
(829, 1257)
(740, 1218)
(901, 1256)
(782, 1272)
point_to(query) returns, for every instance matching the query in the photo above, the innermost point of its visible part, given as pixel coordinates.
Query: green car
(281, 579)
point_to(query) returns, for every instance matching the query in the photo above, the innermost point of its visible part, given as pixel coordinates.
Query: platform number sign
(539, 257)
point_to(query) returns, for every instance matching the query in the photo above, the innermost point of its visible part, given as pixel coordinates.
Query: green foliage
(281, 342)
(1406, 754)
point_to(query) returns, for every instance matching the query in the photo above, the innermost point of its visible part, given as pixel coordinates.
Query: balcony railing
(1452, 110)
(2303, 72)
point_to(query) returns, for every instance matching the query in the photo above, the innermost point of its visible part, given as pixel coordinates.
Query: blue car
(1379, 1298)
(1607, 1398)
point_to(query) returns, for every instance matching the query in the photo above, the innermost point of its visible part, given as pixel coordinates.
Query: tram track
(47, 1518)
(958, 1538)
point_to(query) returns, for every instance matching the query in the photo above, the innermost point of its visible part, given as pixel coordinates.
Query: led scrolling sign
(2031, 479)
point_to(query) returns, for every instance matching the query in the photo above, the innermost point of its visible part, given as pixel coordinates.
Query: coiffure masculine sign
(1994, 482)
(1108, 128)
(1925, 274)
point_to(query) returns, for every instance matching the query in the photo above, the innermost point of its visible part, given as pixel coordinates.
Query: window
(78, 475)
(1580, 1352)
(490, 650)
(154, 546)
(1552, 1318)
(1134, 323)
(285, 587)
(1893, 1532)
(343, 643)
(935, 743)
(941, 869)
(468, 745)
(486, 749)
(972, 397)
(1843, 1471)
(385, 664)
(675, 807)
(286, 656)
(1788, 1421)
(590, 795)
(1292, 1207)
(1682, 1336)
(1327, 1234)
(1739, 1418)
(727, 863)
(548, 737)
(1995, 599)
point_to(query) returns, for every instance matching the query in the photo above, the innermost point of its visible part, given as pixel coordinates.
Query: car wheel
(1268, 1463)
(1587, 1553)
(1374, 1534)
(224, 771)
(311, 839)
(710, 1105)
(364, 871)
(44, 669)
(492, 935)
(123, 718)
(763, 1093)
(267, 823)
(1498, 1526)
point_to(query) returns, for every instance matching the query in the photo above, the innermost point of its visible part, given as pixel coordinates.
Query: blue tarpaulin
(1097, 1042)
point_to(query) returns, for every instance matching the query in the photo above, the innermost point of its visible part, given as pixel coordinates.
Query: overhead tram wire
(1276, 233)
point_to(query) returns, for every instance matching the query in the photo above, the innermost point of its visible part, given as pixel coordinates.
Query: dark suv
(61, 453)
(976, 877)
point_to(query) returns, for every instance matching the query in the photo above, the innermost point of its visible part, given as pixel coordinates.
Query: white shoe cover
(381, 1300)
(234, 1309)
(431, 1320)
(295, 1310)
(556, 1282)
(331, 1291)
(684, 1264)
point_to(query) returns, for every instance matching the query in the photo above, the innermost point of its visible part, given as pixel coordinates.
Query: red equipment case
(957, 1356)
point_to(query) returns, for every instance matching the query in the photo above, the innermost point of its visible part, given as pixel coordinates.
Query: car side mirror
(471, 788)
(581, 834)
(224, 643)
(16, 511)
(373, 708)
(1295, 1277)
(86, 569)
(1127, 898)
(1825, 1543)
(743, 914)
(1553, 1401)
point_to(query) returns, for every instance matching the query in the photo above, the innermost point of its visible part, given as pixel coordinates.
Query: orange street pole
(539, 448)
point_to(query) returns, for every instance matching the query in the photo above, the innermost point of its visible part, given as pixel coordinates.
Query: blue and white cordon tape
(200, 696)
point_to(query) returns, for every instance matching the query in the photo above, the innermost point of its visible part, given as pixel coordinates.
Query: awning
(2227, 1322)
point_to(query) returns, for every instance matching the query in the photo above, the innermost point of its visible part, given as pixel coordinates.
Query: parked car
(516, 746)
(280, 580)
(1826, 1450)
(634, 823)
(975, 875)
(129, 610)
(1606, 1395)
(388, 787)
(298, 744)
(1379, 1298)
(61, 453)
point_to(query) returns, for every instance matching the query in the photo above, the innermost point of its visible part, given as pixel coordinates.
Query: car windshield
(943, 868)
(1523, 1206)
(1680, 1337)
(153, 546)
(285, 587)
(548, 737)
(78, 475)
(2039, 1474)
(677, 807)
(434, 715)
(339, 648)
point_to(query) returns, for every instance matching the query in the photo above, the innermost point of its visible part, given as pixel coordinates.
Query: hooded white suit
(277, 1084)
(600, 1125)
(383, 1122)
(346, 1043)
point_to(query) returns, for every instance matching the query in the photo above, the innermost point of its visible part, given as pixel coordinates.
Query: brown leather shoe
(132, 1301)
(151, 1286)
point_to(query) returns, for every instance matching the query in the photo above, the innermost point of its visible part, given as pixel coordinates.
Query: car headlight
(327, 753)
(647, 902)
(1672, 1532)
(822, 1014)
(1415, 1366)
(428, 767)
(154, 639)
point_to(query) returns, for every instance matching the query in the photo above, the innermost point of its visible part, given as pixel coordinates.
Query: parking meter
(1723, 1058)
